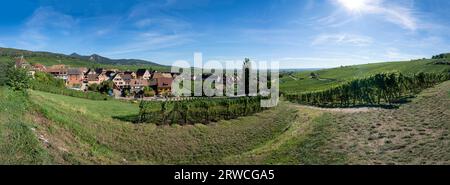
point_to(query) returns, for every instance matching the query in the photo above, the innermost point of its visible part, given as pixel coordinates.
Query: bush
(67, 92)
(149, 92)
(3, 77)
(17, 78)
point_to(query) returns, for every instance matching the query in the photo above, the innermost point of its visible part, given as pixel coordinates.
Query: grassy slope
(417, 133)
(82, 131)
(79, 131)
(300, 82)
(19, 142)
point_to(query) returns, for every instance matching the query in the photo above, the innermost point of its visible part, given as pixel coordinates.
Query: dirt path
(342, 110)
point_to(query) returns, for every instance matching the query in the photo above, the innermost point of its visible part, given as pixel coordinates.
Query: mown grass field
(84, 132)
(301, 81)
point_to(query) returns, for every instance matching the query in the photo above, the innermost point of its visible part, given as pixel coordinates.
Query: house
(131, 74)
(75, 77)
(103, 77)
(127, 77)
(92, 78)
(161, 82)
(119, 83)
(161, 75)
(58, 71)
(39, 67)
(137, 85)
(22, 63)
(163, 85)
(110, 74)
(143, 74)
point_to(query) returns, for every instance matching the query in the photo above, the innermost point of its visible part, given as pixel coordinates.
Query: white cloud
(403, 16)
(33, 35)
(342, 39)
(149, 41)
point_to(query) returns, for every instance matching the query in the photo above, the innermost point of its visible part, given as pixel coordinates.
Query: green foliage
(149, 92)
(441, 56)
(106, 86)
(379, 89)
(71, 92)
(85, 125)
(93, 87)
(17, 78)
(42, 78)
(3, 77)
(198, 110)
(47, 83)
(18, 141)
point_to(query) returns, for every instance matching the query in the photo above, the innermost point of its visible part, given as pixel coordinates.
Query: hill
(322, 79)
(54, 129)
(75, 60)
(103, 60)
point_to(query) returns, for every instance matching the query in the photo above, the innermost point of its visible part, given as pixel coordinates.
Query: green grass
(301, 82)
(18, 141)
(86, 129)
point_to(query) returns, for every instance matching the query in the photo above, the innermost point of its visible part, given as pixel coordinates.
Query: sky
(298, 34)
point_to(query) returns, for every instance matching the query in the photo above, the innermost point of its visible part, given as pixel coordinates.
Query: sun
(353, 5)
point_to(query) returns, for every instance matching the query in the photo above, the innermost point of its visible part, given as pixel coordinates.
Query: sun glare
(353, 5)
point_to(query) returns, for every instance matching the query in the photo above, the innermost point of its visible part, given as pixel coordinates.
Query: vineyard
(198, 110)
(377, 90)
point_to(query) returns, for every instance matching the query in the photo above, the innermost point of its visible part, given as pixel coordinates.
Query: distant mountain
(94, 58)
(104, 60)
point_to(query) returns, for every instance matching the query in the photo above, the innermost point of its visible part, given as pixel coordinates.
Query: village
(126, 84)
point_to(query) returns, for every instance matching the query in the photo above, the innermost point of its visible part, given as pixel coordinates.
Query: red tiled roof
(164, 82)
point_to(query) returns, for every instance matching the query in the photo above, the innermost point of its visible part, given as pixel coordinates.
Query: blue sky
(298, 34)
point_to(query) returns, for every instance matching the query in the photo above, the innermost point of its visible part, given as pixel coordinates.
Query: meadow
(81, 131)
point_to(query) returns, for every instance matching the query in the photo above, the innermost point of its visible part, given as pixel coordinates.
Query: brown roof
(92, 77)
(127, 77)
(161, 75)
(139, 82)
(39, 66)
(74, 71)
(58, 66)
(164, 82)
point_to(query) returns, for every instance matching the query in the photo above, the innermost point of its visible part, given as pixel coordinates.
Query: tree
(149, 92)
(17, 78)
(3, 77)
(106, 86)
(94, 87)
